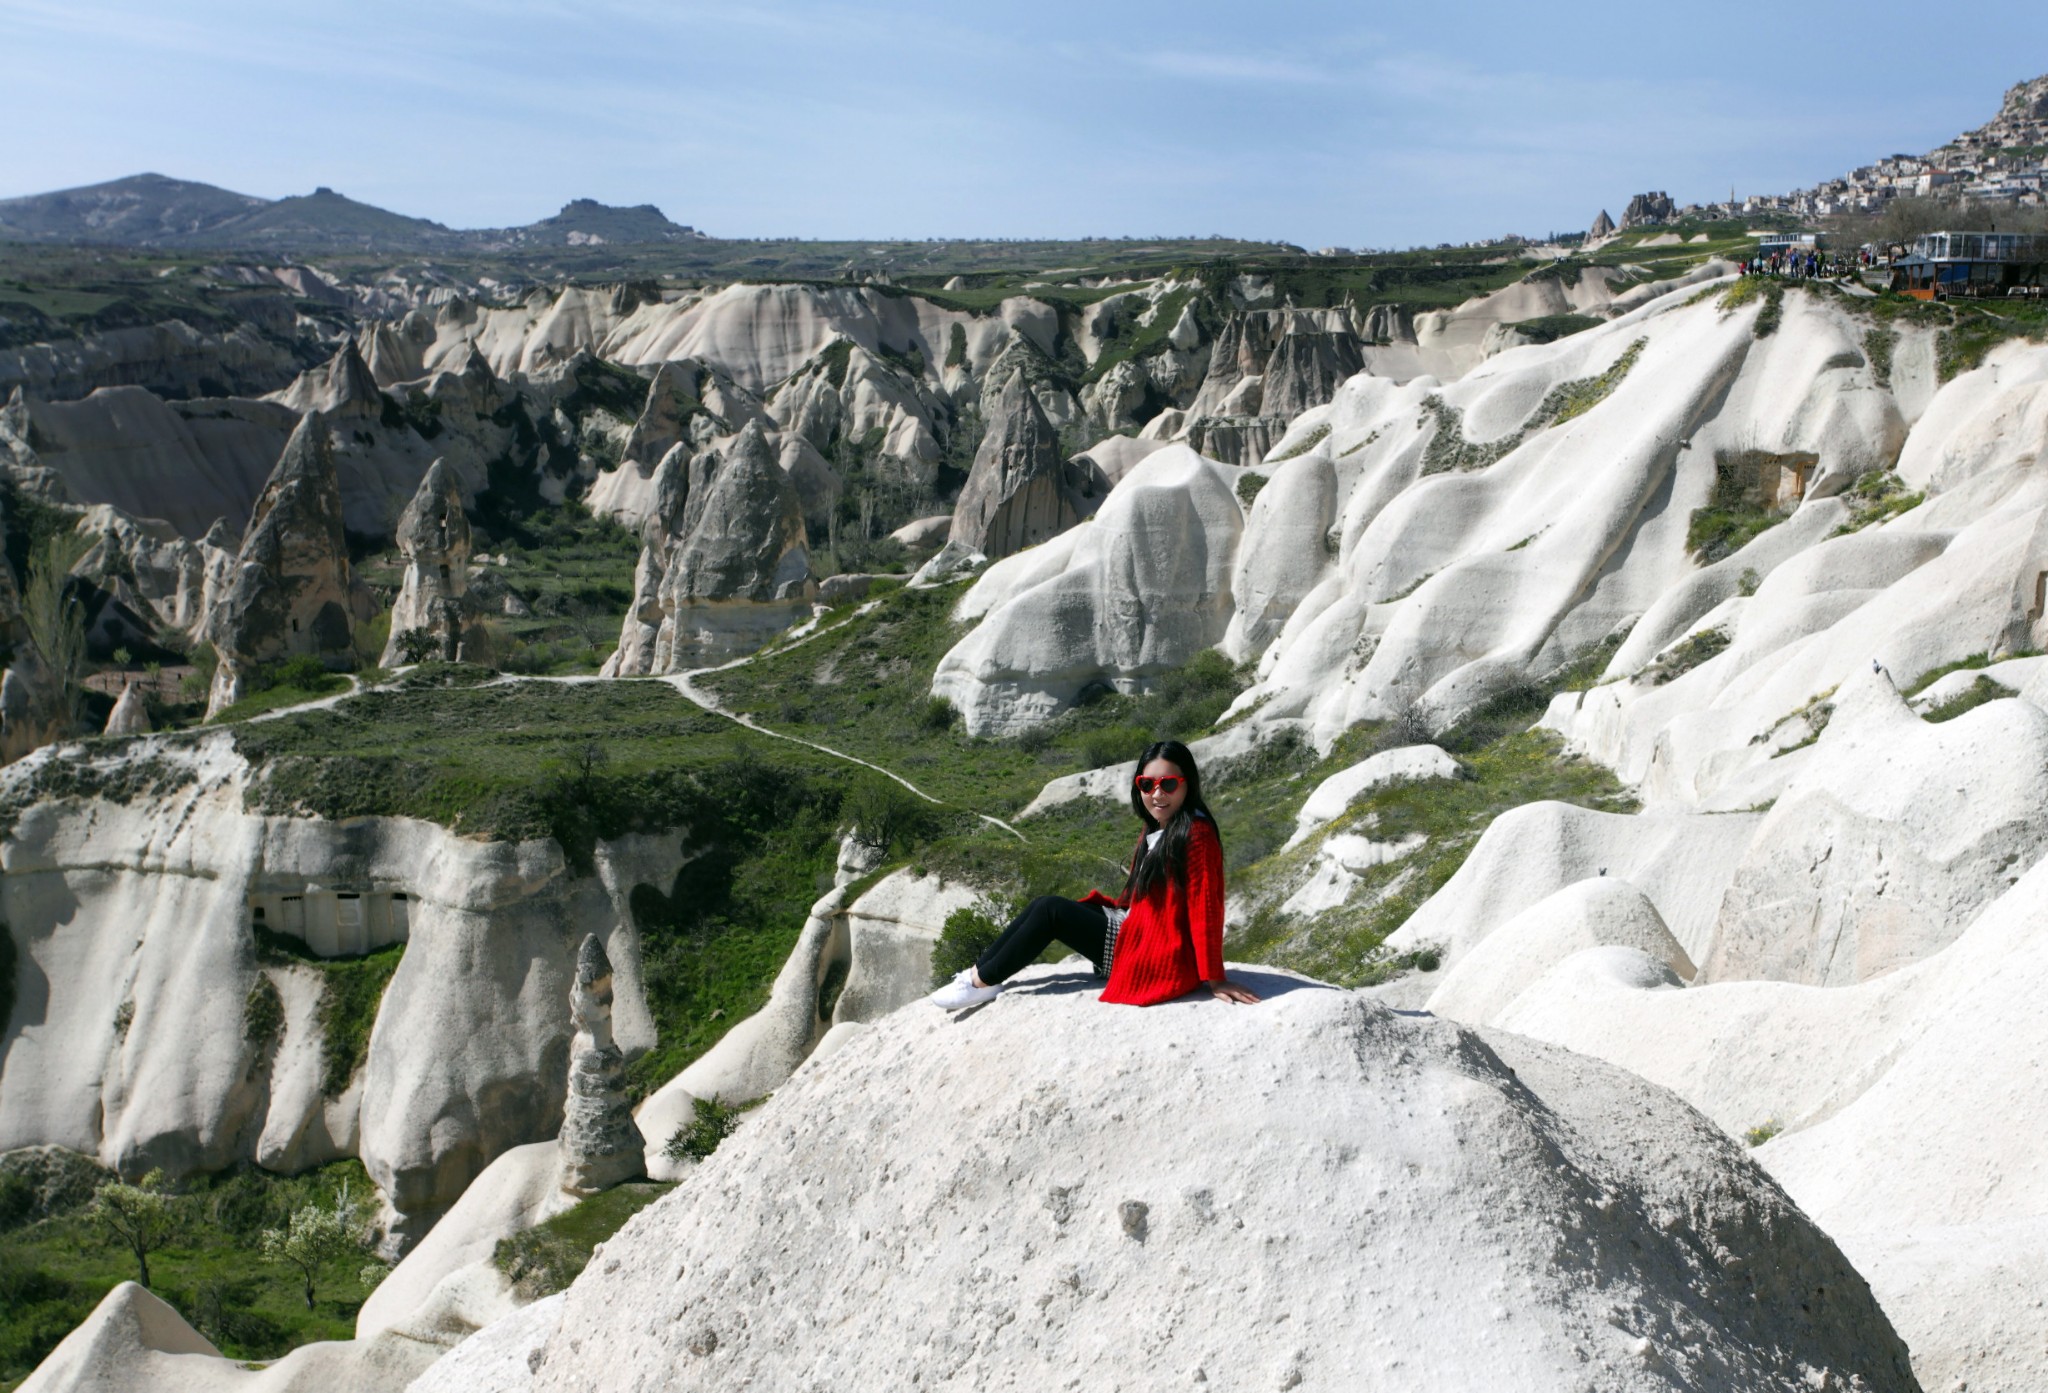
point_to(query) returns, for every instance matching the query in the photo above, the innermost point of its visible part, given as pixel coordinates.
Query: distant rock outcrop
(1017, 493)
(726, 560)
(1647, 208)
(289, 594)
(1603, 226)
(433, 534)
(601, 1145)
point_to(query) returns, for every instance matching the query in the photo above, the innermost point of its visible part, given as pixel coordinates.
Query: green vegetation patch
(1682, 657)
(351, 989)
(1306, 443)
(56, 1264)
(274, 686)
(1876, 495)
(1983, 690)
(546, 1258)
(1746, 500)
(1449, 450)
(1550, 328)
(70, 773)
(1509, 765)
(1878, 344)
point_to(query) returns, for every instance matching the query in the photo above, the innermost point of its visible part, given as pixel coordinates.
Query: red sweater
(1172, 940)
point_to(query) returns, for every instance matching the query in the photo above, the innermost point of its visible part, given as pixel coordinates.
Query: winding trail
(686, 683)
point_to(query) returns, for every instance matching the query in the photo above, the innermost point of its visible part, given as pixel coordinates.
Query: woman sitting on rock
(1161, 938)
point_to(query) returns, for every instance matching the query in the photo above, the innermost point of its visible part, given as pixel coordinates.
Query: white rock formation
(433, 535)
(134, 1343)
(1315, 1191)
(130, 715)
(1017, 494)
(1409, 764)
(726, 563)
(289, 595)
(1141, 588)
(599, 1143)
(123, 950)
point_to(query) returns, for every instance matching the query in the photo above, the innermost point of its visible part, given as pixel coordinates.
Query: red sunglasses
(1168, 785)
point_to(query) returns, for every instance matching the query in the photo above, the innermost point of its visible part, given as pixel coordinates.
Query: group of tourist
(1806, 264)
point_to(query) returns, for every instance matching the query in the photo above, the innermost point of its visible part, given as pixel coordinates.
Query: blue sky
(1314, 122)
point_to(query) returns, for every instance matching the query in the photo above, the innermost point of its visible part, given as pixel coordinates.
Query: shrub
(416, 645)
(1684, 656)
(263, 1014)
(1763, 1131)
(696, 1139)
(967, 934)
(1877, 351)
(1970, 698)
(546, 1258)
(1248, 486)
(885, 814)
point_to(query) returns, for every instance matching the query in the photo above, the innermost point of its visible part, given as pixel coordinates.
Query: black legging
(1082, 927)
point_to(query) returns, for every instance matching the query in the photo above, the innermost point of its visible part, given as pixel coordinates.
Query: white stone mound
(1141, 588)
(1331, 797)
(134, 1343)
(1314, 1191)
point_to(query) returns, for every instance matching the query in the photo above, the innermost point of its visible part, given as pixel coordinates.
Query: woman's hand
(1227, 990)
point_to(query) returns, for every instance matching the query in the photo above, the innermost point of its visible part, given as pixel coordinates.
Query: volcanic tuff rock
(726, 562)
(136, 1343)
(1141, 589)
(1648, 208)
(433, 534)
(130, 715)
(600, 1144)
(1017, 493)
(464, 1061)
(1603, 226)
(1312, 1192)
(290, 591)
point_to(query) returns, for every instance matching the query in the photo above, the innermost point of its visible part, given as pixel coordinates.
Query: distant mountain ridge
(153, 210)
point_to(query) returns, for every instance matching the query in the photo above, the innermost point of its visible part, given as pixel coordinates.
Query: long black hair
(1168, 859)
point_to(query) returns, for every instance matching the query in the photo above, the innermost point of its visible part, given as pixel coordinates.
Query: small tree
(417, 645)
(142, 1217)
(315, 1237)
(56, 626)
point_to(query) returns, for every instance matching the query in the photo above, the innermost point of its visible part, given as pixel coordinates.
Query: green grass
(1978, 693)
(1684, 656)
(1878, 344)
(1551, 327)
(1449, 450)
(351, 989)
(1877, 495)
(54, 1269)
(1975, 662)
(546, 1258)
(1509, 765)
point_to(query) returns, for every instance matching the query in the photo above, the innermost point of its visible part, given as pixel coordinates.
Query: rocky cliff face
(1018, 493)
(127, 1041)
(289, 594)
(726, 564)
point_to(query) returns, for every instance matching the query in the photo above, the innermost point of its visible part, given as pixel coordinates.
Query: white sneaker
(961, 991)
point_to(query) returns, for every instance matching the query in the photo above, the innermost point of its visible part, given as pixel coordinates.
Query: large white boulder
(1312, 1191)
